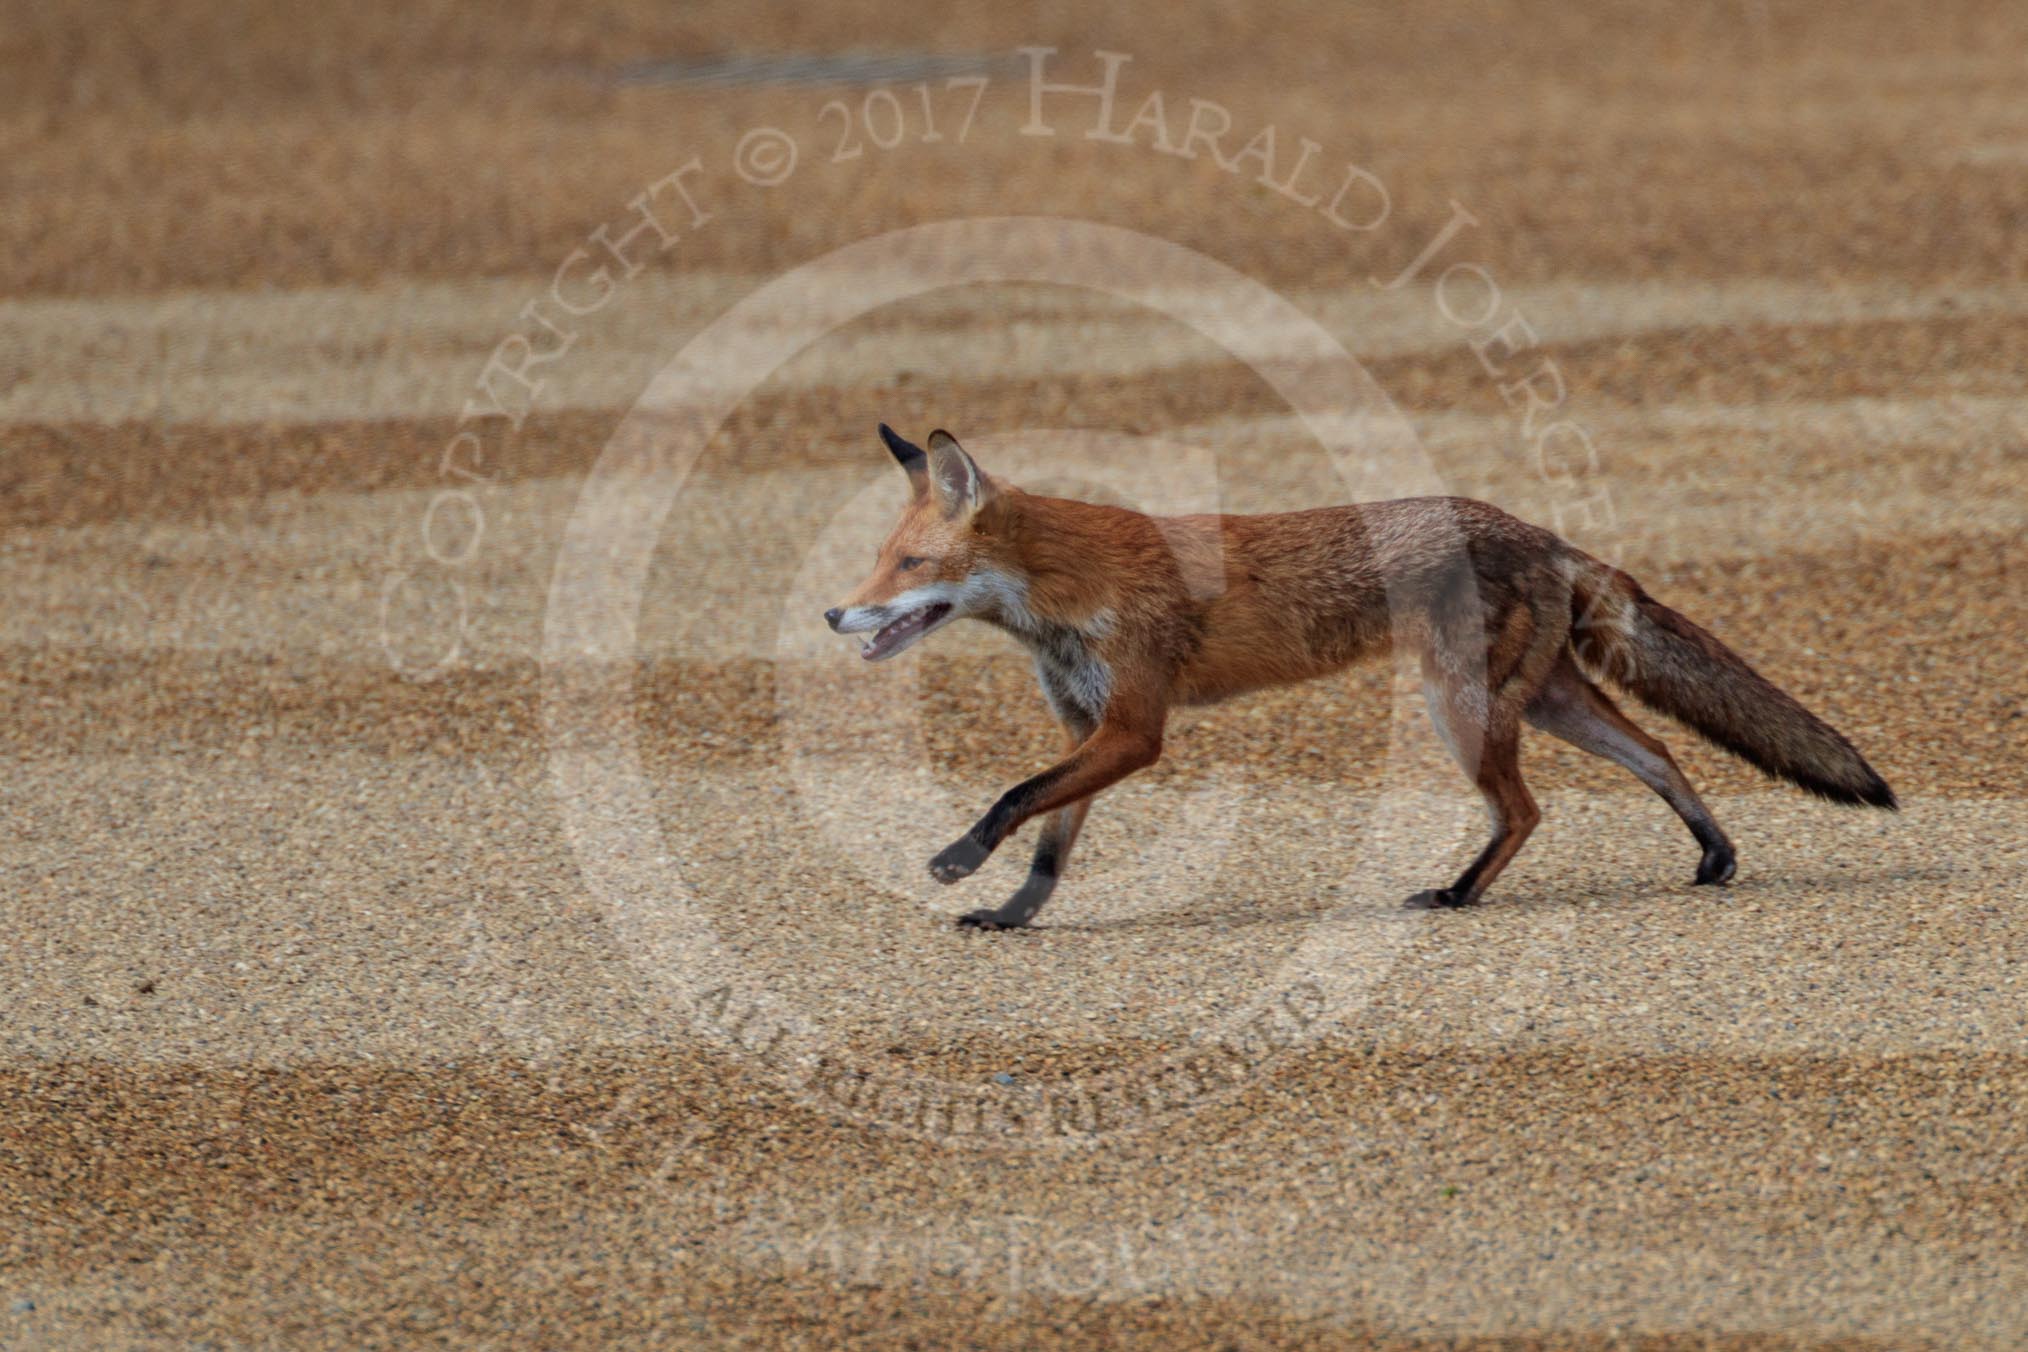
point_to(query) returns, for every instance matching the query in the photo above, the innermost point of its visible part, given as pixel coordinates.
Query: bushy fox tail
(1672, 664)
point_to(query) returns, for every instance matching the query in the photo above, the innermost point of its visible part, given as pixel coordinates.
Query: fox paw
(961, 859)
(989, 920)
(1435, 899)
(1716, 867)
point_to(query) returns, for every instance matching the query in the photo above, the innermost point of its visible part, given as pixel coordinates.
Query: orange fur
(1131, 615)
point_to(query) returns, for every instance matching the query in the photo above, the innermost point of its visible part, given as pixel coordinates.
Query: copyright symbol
(765, 156)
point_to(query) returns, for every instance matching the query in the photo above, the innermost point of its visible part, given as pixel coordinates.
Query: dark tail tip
(1873, 793)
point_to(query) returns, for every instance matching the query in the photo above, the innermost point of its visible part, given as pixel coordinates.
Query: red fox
(1128, 615)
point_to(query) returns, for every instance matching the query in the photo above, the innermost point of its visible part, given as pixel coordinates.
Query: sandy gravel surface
(357, 994)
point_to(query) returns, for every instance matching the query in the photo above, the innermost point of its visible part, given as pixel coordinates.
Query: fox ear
(910, 456)
(961, 488)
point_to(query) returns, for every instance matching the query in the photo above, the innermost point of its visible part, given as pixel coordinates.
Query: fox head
(938, 562)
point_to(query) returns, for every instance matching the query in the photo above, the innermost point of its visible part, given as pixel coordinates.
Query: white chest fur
(1075, 679)
(1077, 691)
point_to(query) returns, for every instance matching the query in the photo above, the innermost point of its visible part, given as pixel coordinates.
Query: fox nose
(832, 616)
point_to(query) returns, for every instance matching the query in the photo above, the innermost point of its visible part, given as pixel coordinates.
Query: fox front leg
(1106, 757)
(1052, 852)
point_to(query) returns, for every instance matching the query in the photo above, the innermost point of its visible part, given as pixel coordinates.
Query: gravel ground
(598, 1001)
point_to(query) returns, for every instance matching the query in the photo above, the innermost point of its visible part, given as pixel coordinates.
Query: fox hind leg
(1485, 658)
(1570, 707)
(1489, 747)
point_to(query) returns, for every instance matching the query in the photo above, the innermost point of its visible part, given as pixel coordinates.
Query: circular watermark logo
(870, 806)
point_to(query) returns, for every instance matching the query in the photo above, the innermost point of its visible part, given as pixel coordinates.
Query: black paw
(989, 920)
(1717, 866)
(958, 860)
(1436, 899)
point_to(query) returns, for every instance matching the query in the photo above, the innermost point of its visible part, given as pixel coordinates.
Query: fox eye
(911, 561)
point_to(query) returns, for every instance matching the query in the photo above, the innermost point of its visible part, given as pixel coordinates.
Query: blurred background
(177, 146)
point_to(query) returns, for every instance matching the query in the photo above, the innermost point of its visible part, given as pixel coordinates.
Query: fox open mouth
(893, 637)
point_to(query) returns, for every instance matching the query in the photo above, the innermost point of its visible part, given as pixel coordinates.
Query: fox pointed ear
(961, 487)
(910, 456)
